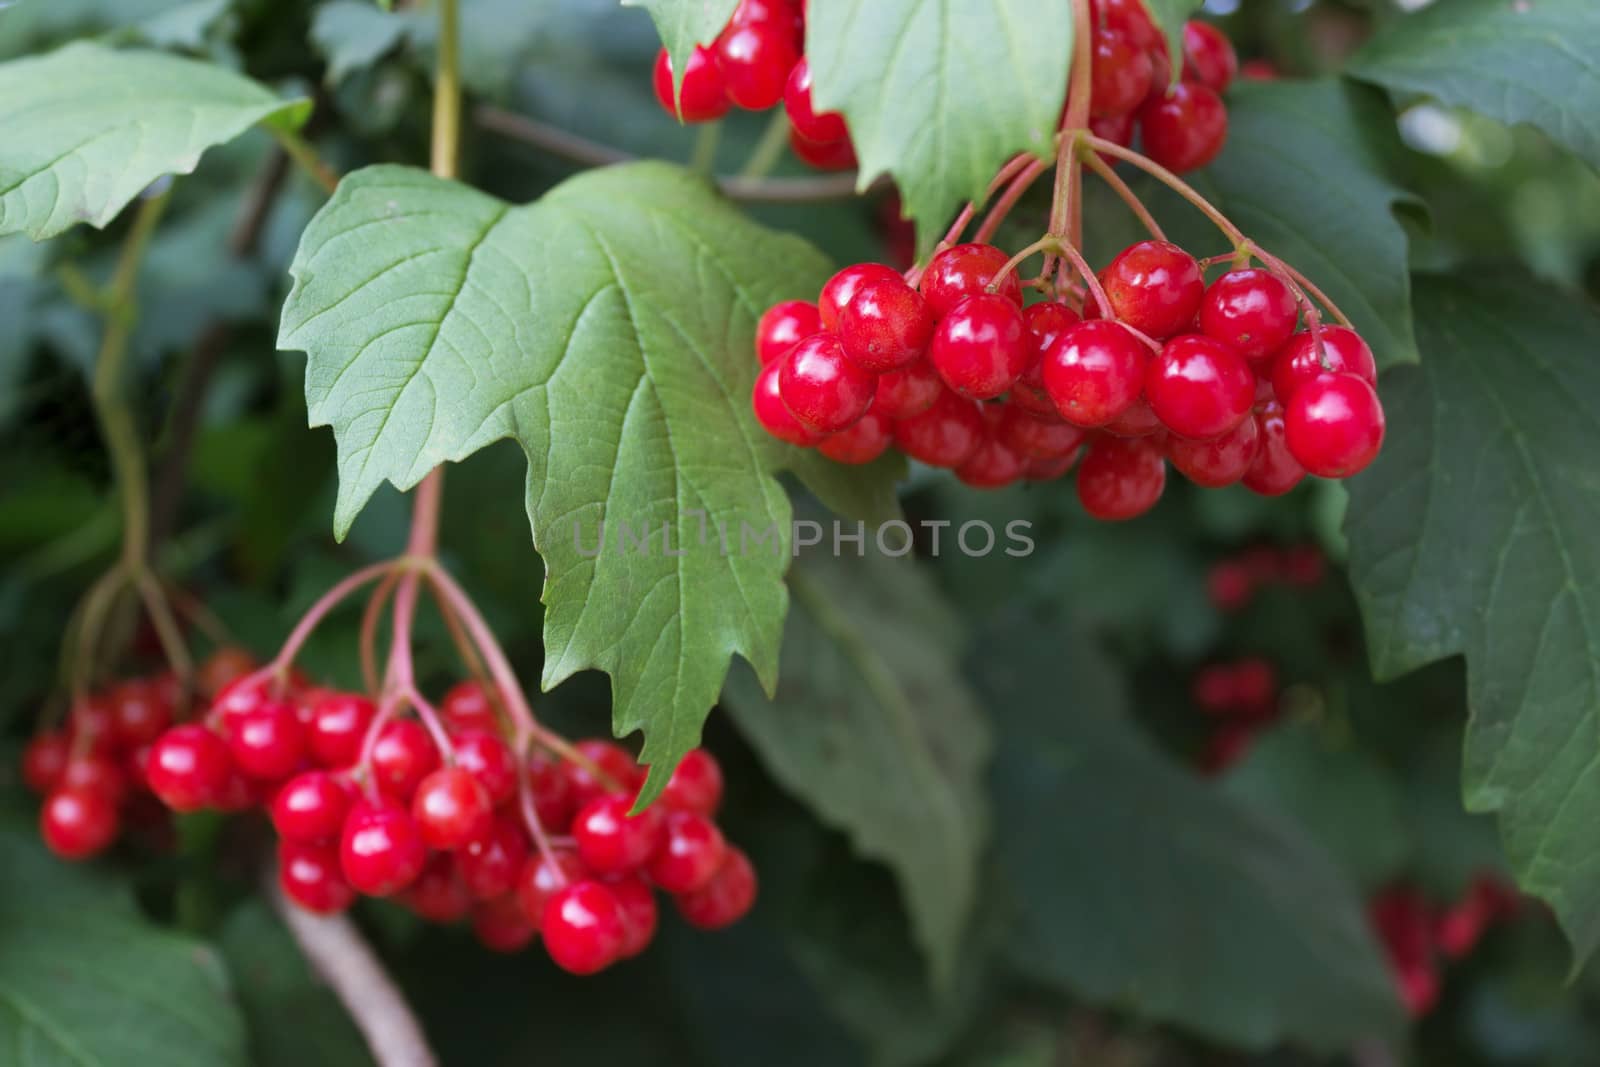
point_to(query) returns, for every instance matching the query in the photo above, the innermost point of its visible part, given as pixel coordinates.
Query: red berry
(1255, 687)
(541, 879)
(240, 697)
(609, 840)
(692, 850)
(1219, 462)
(500, 925)
(1251, 310)
(381, 851)
(1044, 321)
(639, 914)
(842, 288)
(438, 894)
(552, 792)
(824, 155)
(95, 772)
(980, 347)
(695, 785)
(43, 761)
(584, 928)
(821, 388)
(339, 724)
(963, 271)
(1121, 74)
(1275, 471)
(618, 772)
(993, 466)
(1260, 70)
(1094, 372)
(785, 325)
(1230, 744)
(818, 128)
(1185, 128)
(1117, 129)
(1032, 437)
(785, 14)
(1229, 584)
(767, 403)
(903, 393)
(1048, 470)
(943, 436)
(310, 876)
(139, 713)
(1129, 18)
(468, 706)
(1343, 352)
(1199, 388)
(726, 899)
(703, 96)
(77, 823)
(1138, 421)
(402, 756)
(311, 807)
(487, 758)
(1304, 565)
(755, 60)
(223, 666)
(1213, 690)
(451, 808)
(268, 743)
(1121, 478)
(1334, 425)
(490, 865)
(1155, 287)
(1208, 56)
(861, 443)
(188, 768)
(886, 326)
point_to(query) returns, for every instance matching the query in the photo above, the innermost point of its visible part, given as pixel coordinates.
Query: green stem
(447, 93)
(305, 157)
(703, 159)
(769, 150)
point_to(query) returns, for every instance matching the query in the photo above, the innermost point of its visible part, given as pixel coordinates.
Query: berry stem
(1103, 170)
(530, 815)
(1066, 209)
(769, 150)
(1235, 236)
(703, 158)
(279, 666)
(1020, 183)
(165, 623)
(1043, 244)
(1296, 279)
(369, 630)
(306, 158)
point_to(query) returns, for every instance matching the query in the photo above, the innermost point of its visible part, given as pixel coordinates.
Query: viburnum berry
(339, 724)
(610, 840)
(1129, 18)
(489, 760)
(1185, 127)
(966, 270)
(943, 436)
(1118, 129)
(489, 865)
(77, 823)
(1094, 372)
(703, 96)
(690, 854)
(542, 878)
(842, 288)
(903, 393)
(402, 756)
(311, 807)
(1208, 56)
(1199, 387)
(43, 761)
(1275, 470)
(1138, 421)
(239, 697)
(767, 403)
(1304, 565)
(1229, 584)
(695, 785)
(221, 667)
(821, 387)
(755, 60)
(1121, 478)
(1155, 287)
(381, 850)
(1250, 310)
(1334, 425)
(1035, 437)
(864, 442)
(1213, 690)
(618, 773)
(188, 768)
(724, 900)
(1044, 321)
(818, 128)
(1048, 470)
(886, 326)
(451, 808)
(267, 742)
(824, 155)
(467, 705)
(1219, 462)
(785, 325)
(786, 15)
(100, 773)
(993, 465)
(438, 894)
(139, 713)
(309, 875)
(584, 928)
(639, 914)
(979, 346)
(551, 789)
(1298, 361)
(1120, 75)
(500, 925)
(1255, 686)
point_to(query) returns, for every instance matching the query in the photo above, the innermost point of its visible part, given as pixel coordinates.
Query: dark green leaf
(1473, 534)
(683, 24)
(1527, 61)
(940, 93)
(606, 328)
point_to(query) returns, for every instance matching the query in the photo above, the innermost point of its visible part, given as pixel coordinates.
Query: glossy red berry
(1118, 129)
(541, 879)
(943, 436)
(818, 128)
(821, 387)
(339, 724)
(268, 743)
(1275, 471)
(489, 760)
(886, 326)
(1334, 425)
(584, 928)
(1138, 421)
(842, 288)
(102, 773)
(1155, 287)
(639, 914)
(1208, 56)
(993, 466)
(1035, 437)
(1219, 462)
(695, 785)
(1121, 478)
(438, 894)
(704, 95)
(1298, 361)
(77, 823)
(239, 697)
(1199, 387)
(618, 773)
(1129, 18)
(468, 706)
(979, 347)
(489, 866)
(1044, 321)
(726, 899)
(188, 768)
(1184, 128)
(611, 841)
(963, 271)
(767, 403)
(451, 808)
(500, 925)
(1250, 310)
(1121, 74)
(755, 60)
(139, 713)
(43, 761)
(785, 14)
(311, 807)
(864, 442)
(552, 792)
(402, 756)
(824, 155)
(1094, 372)
(785, 325)
(691, 852)
(381, 850)
(310, 876)
(903, 393)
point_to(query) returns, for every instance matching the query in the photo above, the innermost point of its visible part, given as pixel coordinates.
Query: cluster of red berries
(957, 373)
(1416, 936)
(1233, 582)
(1242, 697)
(755, 62)
(1182, 126)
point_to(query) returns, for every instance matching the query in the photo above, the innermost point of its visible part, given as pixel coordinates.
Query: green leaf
(941, 93)
(607, 329)
(88, 128)
(1528, 62)
(1474, 534)
(353, 34)
(683, 24)
(86, 982)
(875, 730)
(1169, 16)
(1137, 884)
